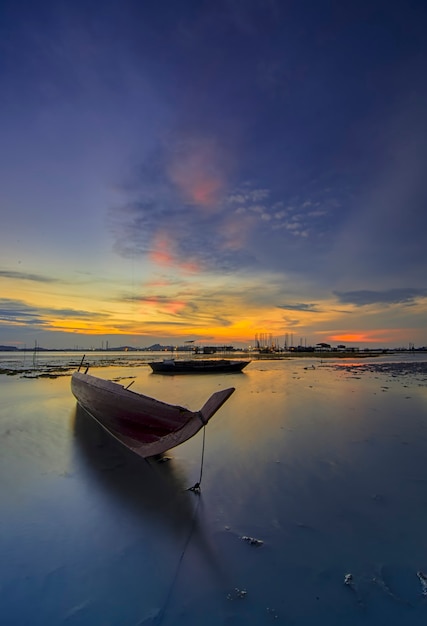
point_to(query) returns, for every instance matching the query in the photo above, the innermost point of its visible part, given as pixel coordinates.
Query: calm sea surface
(313, 507)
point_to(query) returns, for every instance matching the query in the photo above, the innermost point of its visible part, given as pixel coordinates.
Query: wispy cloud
(18, 312)
(174, 223)
(309, 308)
(404, 295)
(39, 278)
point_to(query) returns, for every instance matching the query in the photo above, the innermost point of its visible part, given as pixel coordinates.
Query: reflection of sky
(328, 471)
(211, 172)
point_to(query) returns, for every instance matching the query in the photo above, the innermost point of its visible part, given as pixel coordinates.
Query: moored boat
(197, 366)
(145, 425)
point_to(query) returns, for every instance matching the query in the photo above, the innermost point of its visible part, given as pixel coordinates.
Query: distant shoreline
(320, 355)
(254, 354)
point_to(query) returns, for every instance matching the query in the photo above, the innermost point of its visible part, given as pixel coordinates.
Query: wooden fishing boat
(197, 366)
(145, 425)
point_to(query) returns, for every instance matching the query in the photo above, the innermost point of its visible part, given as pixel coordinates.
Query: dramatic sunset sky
(176, 170)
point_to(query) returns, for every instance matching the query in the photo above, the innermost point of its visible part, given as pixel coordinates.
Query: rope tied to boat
(196, 488)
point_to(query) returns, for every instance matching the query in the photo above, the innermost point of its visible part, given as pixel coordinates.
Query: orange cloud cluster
(162, 249)
(163, 252)
(236, 231)
(195, 169)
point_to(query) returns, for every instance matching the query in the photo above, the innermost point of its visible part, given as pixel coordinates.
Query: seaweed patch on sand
(416, 370)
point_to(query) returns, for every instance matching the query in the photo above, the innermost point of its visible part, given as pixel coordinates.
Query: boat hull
(145, 425)
(207, 366)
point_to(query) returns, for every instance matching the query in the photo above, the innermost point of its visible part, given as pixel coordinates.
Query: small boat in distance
(197, 366)
(145, 425)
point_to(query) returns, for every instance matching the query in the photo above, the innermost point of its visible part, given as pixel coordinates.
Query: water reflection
(155, 490)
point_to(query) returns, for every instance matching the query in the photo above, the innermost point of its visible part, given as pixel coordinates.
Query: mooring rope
(163, 610)
(195, 489)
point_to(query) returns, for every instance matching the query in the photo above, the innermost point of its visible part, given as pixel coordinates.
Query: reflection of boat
(197, 366)
(154, 491)
(143, 424)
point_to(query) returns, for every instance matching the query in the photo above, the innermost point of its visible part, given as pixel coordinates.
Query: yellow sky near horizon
(211, 309)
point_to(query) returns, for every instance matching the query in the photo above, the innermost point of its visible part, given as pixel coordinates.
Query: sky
(213, 172)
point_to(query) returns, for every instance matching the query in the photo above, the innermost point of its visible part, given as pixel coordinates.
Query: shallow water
(326, 468)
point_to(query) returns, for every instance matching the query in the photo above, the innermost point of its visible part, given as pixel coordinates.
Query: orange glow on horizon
(369, 336)
(352, 338)
(174, 306)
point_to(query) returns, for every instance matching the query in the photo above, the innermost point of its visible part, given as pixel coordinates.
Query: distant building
(325, 347)
(215, 349)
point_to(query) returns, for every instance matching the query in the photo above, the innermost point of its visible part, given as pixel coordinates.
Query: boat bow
(145, 425)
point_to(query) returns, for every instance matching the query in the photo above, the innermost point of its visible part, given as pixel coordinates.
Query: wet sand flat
(313, 507)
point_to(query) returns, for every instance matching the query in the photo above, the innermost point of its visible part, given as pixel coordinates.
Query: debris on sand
(252, 541)
(423, 580)
(237, 593)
